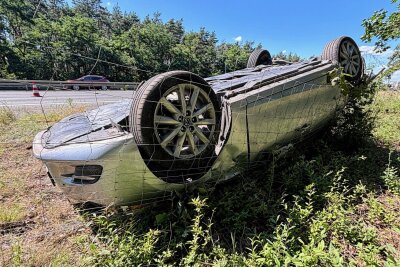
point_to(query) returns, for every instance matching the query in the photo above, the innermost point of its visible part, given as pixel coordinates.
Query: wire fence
(178, 131)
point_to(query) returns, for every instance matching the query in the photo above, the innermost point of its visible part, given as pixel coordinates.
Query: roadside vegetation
(54, 40)
(36, 221)
(327, 202)
(331, 201)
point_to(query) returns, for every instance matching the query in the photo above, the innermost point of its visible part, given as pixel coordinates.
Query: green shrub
(391, 178)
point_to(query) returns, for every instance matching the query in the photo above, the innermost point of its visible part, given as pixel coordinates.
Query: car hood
(78, 125)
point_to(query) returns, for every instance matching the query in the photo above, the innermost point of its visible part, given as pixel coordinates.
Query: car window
(87, 78)
(96, 78)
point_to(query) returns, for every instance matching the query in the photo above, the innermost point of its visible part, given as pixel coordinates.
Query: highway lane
(15, 99)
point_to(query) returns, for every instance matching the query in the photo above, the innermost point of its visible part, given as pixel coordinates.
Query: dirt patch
(38, 226)
(16, 227)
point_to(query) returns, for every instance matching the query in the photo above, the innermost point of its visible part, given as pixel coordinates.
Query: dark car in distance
(88, 82)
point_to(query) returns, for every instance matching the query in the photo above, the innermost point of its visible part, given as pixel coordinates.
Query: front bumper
(125, 178)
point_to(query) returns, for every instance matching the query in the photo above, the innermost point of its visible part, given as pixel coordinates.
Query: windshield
(81, 124)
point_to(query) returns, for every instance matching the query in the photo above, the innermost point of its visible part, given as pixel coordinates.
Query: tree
(384, 27)
(48, 39)
(231, 57)
(291, 57)
(122, 22)
(176, 28)
(16, 15)
(4, 50)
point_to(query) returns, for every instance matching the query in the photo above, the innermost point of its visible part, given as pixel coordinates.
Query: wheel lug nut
(188, 113)
(183, 129)
(194, 119)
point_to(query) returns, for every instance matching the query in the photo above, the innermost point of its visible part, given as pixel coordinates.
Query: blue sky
(303, 27)
(299, 26)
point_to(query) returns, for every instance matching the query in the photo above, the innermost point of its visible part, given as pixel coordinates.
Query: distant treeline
(49, 39)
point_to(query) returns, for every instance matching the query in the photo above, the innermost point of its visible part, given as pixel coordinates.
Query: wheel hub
(184, 120)
(350, 58)
(187, 122)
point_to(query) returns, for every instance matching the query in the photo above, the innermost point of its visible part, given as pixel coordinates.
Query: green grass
(330, 202)
(387, 109)
(23, 129)
(333, 201)
(11, 213)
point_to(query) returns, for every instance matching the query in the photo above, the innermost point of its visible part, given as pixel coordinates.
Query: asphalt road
(15, 99)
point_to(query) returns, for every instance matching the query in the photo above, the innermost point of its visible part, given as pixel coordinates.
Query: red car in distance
(88, 82)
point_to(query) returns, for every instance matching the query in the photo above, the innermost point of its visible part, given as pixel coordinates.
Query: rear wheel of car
(345, 52)
(175, 121)
(259, 57)
(75, 87)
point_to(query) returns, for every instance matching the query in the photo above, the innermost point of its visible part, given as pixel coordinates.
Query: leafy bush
(391, 177)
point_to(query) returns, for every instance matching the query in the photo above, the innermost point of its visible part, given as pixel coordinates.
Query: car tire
(259, 57)
(75, 87)
(345, 52)
(176, 138)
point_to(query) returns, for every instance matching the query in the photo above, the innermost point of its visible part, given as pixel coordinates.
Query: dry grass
(38, 226)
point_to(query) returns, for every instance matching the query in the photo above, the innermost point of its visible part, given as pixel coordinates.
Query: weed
(17, 255)
(304, 210)
(391, 177)
(320, 205)
(11, 213)
(353, 125)
(377, 212)
(125, 248)
(61, 259)
(7, 116)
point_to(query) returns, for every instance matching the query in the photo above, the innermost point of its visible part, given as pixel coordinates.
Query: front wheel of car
(175, 120)
(75, 87)
(345, 52)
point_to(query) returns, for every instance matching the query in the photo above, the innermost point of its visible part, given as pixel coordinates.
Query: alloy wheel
(184, 120)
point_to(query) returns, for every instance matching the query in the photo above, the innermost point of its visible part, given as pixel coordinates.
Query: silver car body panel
(263, 109)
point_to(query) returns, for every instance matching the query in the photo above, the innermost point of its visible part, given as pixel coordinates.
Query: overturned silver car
(180, 130)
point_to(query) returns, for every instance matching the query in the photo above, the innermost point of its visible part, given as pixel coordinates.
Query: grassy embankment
(327, 203)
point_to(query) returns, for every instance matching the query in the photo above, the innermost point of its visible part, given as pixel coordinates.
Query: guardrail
(60, 85)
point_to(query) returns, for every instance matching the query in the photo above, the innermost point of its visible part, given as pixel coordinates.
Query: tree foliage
(291, 57)
(384, 28)
(49, 39)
